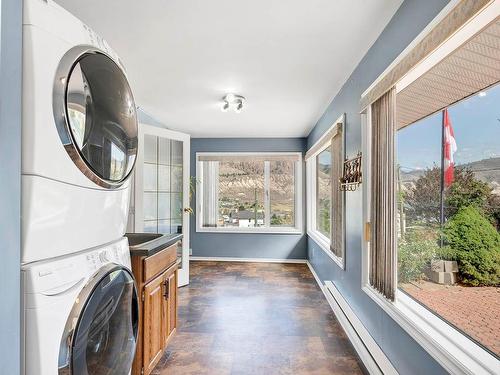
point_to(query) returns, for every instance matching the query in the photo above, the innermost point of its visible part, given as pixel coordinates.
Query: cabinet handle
(166, 284)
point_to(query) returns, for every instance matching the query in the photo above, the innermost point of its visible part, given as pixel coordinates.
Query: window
(249, 192)
(442, 175)
(324, 190)
(282, 193)
(322, 184)
(448, 220)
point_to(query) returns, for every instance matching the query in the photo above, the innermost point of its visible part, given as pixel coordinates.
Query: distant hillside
(240, 180)
(487, 170)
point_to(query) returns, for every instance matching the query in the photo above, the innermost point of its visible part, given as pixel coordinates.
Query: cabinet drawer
(159, 262)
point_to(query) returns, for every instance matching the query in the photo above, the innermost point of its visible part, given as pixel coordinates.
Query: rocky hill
(487, 170)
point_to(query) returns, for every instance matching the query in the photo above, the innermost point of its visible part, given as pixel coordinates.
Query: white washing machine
(79, 136)
(80, 313)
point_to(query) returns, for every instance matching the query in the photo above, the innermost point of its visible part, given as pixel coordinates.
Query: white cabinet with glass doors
(160, 198)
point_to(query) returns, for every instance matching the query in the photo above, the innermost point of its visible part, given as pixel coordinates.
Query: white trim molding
(324, 141)
(319, 146)
(441, 15)
(374, 359)
(324, 244)
(298, 228)
(246, 260)
(471, 28)
(311, 191)
(449, 347)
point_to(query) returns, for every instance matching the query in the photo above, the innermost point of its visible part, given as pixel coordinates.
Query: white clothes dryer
(79, 136)
(80, 313)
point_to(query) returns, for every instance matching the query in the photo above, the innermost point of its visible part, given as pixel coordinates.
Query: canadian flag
(449, 148)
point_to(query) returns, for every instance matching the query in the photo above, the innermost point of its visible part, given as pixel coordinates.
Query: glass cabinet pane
(150, 206)
(163, 173)
(150, 149)
(176, 179)
(177, 153)
(176, 226)
(164, 151)
(150, 226)
(176, 205)
(164, 178)
(164, 226)
(163, 205)
(150, 177)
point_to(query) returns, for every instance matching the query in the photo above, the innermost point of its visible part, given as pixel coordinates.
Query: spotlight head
(225, 106)
(239, 106)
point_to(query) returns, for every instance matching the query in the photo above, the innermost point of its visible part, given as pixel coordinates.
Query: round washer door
(96, 116)
(101, 333)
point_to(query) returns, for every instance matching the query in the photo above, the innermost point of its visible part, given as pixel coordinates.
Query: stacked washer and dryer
(79, 148)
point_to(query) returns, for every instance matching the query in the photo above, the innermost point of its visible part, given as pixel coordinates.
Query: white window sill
(251, 230)
(453, 350)
(324, 243)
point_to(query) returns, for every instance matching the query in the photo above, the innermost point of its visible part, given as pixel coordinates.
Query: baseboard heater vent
(369, 352)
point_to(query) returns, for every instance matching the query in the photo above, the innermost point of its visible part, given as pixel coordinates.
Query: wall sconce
(352, 174)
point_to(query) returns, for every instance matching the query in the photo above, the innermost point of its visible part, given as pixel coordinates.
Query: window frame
(312, 196)
(267, 229)
(451, 348)
(456, 352)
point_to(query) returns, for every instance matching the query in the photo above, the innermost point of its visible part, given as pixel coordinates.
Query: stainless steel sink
(136, 240)
(146, 244)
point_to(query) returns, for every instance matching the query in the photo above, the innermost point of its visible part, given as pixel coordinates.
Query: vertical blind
(210, 191)
(383, 235)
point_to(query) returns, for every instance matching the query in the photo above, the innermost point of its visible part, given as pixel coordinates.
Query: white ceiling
(288, 58)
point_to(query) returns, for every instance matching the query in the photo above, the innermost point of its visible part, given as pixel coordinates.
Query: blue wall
(242, 245)
(405, 354)
(10, 186)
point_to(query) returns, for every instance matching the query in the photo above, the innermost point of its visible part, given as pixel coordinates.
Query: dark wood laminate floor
(256, 318)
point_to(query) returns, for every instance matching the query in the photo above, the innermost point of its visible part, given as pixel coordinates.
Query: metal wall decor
(352, 174)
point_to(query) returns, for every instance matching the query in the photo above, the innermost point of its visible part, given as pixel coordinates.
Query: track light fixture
(232, 101)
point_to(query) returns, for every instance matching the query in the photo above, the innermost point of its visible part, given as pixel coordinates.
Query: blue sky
(476, 123)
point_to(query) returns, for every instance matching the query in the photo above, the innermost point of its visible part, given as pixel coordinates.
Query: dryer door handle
(63, 288)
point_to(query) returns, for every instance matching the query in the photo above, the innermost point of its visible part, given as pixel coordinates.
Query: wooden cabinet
(156, 278)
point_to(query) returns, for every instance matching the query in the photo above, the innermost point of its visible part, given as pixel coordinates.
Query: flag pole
(441, 211)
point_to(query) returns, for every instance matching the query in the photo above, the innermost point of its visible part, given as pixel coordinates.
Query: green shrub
(414, 255)
(475, 244)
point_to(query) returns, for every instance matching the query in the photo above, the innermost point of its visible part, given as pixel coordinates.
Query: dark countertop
(147, 244)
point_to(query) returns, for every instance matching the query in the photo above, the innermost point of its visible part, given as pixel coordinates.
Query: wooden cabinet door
(172, 302)
(153, 323)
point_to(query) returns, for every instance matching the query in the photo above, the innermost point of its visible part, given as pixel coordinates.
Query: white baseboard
(316, 277)
(374, 359)
(249, 260)
(368, 351)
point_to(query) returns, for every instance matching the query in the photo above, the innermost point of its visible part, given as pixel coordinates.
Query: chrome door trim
(61, 80)
(66, 344)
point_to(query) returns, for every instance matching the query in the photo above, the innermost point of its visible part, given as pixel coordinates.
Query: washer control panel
(52, 276)
(117, 252)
